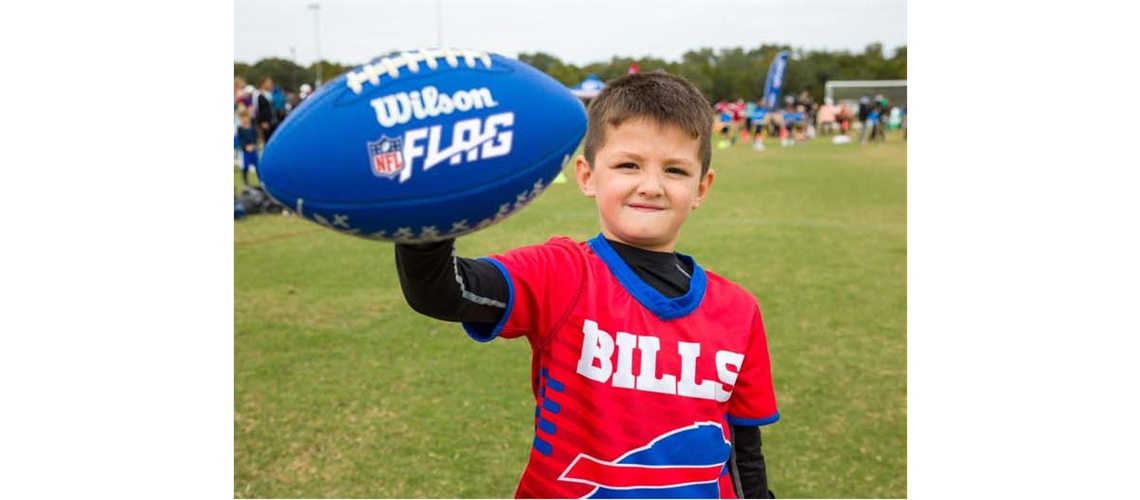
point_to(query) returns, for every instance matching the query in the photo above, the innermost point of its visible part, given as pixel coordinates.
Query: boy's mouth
(645, 207)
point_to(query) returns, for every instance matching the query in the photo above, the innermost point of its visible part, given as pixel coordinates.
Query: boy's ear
(703, 188)
(585, 176)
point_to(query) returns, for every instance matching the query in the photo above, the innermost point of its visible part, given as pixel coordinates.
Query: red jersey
(634, 391)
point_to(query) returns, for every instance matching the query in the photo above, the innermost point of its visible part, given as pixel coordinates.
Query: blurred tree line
(287, 74)
(734, 73)
(726, 74)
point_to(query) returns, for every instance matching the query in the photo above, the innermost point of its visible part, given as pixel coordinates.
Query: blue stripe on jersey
(542, 446)
(554, 385)
(485, 332)
(550, 406)
(661, 306)
(753, 422)
(546, 426)
(542, 424)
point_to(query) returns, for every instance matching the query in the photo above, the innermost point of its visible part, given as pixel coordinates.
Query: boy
(650, 375)
(247, 141)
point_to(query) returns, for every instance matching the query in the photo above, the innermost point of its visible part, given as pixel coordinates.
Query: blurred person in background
(864, 121)
(263, 115)
(826, 121)
(247, 142)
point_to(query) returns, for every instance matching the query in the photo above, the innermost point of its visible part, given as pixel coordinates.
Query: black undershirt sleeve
(438, 284)
(750, 462)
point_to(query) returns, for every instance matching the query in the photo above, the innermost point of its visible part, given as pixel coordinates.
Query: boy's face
(646, 178)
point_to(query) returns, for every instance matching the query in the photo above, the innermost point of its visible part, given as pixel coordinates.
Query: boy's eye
(626, 165)
(677, 171)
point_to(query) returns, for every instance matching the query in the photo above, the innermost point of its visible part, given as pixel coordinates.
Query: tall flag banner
(775, 80)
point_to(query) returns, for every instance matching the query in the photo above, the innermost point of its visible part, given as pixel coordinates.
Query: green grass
(341, 390)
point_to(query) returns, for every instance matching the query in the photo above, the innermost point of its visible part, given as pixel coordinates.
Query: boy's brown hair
(664, 98)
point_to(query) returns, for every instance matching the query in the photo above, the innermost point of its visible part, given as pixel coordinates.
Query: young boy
(247, 141)
(650, 375)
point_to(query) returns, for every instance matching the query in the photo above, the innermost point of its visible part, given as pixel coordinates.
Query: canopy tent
(589, 88)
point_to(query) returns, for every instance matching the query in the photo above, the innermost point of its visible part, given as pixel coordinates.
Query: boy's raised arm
(436, 283)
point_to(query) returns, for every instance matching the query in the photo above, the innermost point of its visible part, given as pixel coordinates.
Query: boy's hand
(249, 148)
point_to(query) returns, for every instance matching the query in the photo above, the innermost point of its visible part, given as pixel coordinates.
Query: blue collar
(660, 305)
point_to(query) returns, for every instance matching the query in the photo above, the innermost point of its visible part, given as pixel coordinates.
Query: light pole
(293, 59)
(316, 8)
(439, 24)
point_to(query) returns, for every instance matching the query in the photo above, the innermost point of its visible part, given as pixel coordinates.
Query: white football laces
(391, 65)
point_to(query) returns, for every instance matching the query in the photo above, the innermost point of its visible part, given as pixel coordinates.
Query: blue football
(425, 145)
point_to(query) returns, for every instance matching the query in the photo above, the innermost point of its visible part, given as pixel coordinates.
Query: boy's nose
(650, 185)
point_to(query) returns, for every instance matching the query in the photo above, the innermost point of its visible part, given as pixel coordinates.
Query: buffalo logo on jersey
(682, 463)
(471, 140)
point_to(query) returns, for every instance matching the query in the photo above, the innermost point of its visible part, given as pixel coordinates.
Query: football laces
(391, 65)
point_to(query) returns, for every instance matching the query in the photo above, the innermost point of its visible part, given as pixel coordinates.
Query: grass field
(340, 390)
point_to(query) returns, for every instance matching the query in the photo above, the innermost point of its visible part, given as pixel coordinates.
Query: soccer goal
(850, 91)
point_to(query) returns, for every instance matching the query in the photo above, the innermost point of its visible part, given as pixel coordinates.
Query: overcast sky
(578, 32)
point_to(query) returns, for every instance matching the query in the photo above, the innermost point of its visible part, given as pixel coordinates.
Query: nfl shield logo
(387, 156)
